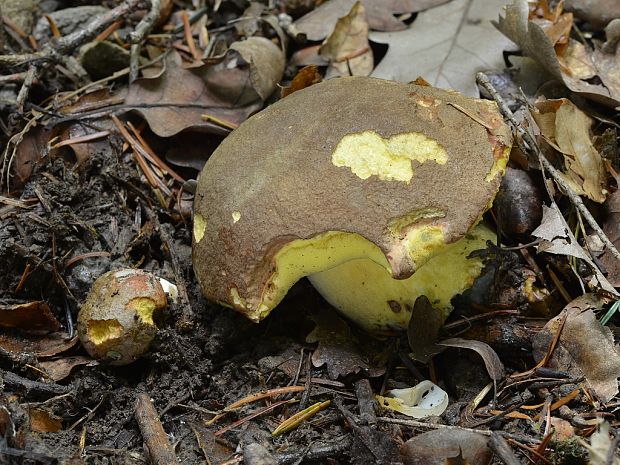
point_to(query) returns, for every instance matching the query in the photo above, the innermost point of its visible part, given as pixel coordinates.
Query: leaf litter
(103, 178)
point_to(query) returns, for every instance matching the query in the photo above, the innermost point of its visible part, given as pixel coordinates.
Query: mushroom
(116, 322)
(373, 189)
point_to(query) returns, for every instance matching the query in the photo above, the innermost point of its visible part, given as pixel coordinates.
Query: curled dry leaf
(423, 330)
(28, 316)
(576, 65)
(30, 151)
(45, 346)
(585, 348)
(347, 47)
(600, 446)
(445, 45)
(320, 22)
(248, 72)
(338, 348)
(60, 368)
(41, 421)
(558, 239)
(305, 77)
(178, 97)
(493, 364)
(438, 446)
(567, 129)
(265, 61)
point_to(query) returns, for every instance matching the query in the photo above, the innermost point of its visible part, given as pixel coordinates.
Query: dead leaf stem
(484, 81)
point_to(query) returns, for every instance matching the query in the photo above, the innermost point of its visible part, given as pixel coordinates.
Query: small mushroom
(115, 322)
(372, 189)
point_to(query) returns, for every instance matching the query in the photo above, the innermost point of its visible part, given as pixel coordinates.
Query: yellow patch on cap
(368, 154)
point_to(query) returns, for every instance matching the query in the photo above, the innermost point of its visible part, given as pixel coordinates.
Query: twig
(29, 388)
(23, 92)
(486, 432)
(483, 80)
(70, 42)
(67, 44)
(317, 452)
(502, 449)
(138, 35)
(155, 438)
(366, 402)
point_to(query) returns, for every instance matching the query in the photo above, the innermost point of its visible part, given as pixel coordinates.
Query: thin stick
(25, 89)
(138, 35)
(155, 438)
(486, 432)
(502, 449)
(483, 80)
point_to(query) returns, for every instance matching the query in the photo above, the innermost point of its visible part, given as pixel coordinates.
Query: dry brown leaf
(611, 228)
(567, 129)
(608, 69)
(59, 369)
(585, 346)
(320, 22)
(249, 71)
(585, 165)
(493, 364)
(445, 45)
(28, 316)
(29, 153)
(265, 62)
(535, 43)
(84, 150)
(305, 77)
(347, 47)
(177, 99)
(423, 330)
(338, 348)
(41, 346)
(558, 239)
(447, 446)
(41, 421)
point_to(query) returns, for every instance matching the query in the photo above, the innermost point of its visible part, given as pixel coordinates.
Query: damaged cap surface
(349, 168)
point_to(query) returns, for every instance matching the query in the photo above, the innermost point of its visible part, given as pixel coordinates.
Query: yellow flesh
(144, 308)
(100, 331)
(304, 257)
(368, 154)
(366, 293)
(200, 224)
(353, 274)
(499, 167)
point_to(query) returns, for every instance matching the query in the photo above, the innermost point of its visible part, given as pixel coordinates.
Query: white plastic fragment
(170, 289)
(425, 399)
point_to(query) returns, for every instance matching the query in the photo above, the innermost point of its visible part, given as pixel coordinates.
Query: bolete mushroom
(116, 321)
(372, 189)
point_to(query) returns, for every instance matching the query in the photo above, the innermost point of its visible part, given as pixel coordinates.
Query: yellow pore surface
(367, 294)
(354, 275)
(368, 154)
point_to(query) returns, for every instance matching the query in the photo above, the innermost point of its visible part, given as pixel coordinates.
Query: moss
(569, 452)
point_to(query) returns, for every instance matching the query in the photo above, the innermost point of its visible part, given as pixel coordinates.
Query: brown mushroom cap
(400, 168)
